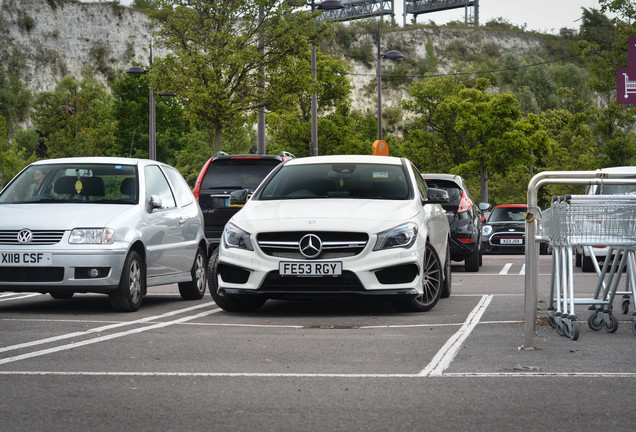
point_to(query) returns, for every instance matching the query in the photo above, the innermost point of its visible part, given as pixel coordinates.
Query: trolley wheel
(625, 306)
(552, 321)
(575, 331)
(613, 326)
(560, 328)
(595, 322)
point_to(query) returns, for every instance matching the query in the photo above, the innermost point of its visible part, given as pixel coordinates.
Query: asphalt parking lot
(344, 365)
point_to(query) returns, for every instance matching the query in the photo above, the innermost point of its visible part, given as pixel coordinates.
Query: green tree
(604, 49)
(478, 132)
(131, 111)
(226, 59)
(12, 158)
(15, 101)
(75, 119)
(290, 125)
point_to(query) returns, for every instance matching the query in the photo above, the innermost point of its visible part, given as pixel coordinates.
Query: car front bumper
(70, 270)
(387, 272)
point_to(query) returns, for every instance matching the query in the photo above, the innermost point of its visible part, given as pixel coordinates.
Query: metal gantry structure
(358, 9)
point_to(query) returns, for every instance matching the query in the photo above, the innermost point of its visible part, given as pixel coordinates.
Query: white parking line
(447, 353)
(326, 375)
(103, 328)
(15, 296)
(105, 338)
(504, 270)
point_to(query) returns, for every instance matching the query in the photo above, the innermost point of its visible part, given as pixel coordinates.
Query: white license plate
(511, 241)
(332, 268)
(26, 259)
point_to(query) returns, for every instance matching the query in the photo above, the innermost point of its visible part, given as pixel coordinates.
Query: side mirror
(154, 203)
(239, 197)
(483, 206)
(436, 196)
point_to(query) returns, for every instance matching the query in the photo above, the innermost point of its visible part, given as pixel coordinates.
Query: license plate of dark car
(511, 241)
(313, 269)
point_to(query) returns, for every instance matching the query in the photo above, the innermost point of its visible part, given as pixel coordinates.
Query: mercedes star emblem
(310, 246)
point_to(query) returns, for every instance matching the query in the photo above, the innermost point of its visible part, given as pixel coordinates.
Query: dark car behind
(223, 174)
(464, 219)
(505, 230)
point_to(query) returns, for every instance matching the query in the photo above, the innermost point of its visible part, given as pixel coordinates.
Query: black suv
(464, 219)
(223, 174)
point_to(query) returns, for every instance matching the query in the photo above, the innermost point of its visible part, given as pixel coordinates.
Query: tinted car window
(379, 181)
(507, 214)
(454, 191)
(156, 184)
(237, 173)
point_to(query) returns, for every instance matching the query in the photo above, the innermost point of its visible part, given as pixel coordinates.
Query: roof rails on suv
(223, 174)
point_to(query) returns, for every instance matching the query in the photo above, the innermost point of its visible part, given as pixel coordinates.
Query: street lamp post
(391, 55)
(325, 5)
(152, 126)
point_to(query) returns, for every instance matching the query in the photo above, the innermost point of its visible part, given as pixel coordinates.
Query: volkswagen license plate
(26, 259)
(314, 268)
(511, 241)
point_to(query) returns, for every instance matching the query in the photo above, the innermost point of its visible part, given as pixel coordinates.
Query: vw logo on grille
(25, 236)
(310, 246)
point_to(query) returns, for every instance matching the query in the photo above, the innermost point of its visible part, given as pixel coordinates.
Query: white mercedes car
(335, 226)
(101, 225)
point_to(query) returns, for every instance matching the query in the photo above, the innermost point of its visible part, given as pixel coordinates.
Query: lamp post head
(136, 70)
(330, 5)
(392, 55)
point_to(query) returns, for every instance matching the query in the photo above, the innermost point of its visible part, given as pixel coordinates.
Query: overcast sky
(546, 16)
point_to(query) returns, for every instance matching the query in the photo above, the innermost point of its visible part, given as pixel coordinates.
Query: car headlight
(92, 236)
(234, 237)
(401, 236)
(486, 230)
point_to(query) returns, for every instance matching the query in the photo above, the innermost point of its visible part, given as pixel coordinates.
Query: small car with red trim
(464, 219)
(505, 230)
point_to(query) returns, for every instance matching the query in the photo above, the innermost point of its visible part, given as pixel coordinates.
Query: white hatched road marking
(506, 269)
(111, 336)
(441, 361)
(15, 296)
(102, 329)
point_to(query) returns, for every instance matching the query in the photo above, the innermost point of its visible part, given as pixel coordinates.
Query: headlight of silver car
(486, 230)
(235, 237)
(401, 236)
(92, 236)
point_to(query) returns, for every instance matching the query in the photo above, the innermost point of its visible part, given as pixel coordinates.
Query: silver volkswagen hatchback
(101, 225)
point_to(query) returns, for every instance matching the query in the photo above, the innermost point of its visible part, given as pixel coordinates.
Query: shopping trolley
(586, 221)
(630, 86)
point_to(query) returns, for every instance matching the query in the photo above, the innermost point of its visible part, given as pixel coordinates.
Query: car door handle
(182, 220)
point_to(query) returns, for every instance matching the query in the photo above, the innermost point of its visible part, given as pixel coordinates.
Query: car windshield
(74, 182)
(507, 214)
(237, 173)
(338, 180)
(616, 189)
